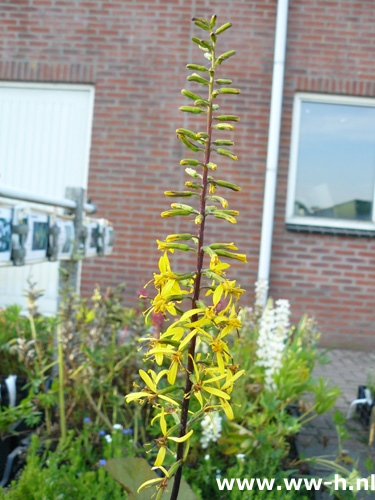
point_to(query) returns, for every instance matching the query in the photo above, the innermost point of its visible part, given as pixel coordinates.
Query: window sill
(337, 231)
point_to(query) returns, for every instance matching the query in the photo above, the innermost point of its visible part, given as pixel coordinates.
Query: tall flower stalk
(209, 378)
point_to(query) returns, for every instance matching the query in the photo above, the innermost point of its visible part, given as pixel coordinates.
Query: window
(332, 162)
(45, 139)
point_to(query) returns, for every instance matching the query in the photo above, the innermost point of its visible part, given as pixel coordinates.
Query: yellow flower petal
(147, 380)
(172, 373)
(227, 409)
(136, 395)
(181, 439)
(160, 457)
(216, 392)
(149, 482)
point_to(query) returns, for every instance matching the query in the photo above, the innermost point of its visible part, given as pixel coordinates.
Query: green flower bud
(223, 246)
(201, 23)
(229, 218)
(224, 126)
(223, 28)
(184, 194)
(174, 213)
(225, 152)
(198, 220)
(230, 255)
(193, 185)
(213, 21)
(196, 67)
(196, 78)
(219, 199)
(190, 95)
(181, 206)
(188, 144)
(190, 161)
(187, 132)
(213, 37)
(223, 81)
(229, 91)
(177, 237)
(191, 109)
(193, 173)
(228, 185)
(227, 118)
(225, 56)
(201, 102)
(211, 166)
(223, 142)
(202, 135)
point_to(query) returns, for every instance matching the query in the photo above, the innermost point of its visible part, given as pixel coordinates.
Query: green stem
(200, 257)
(60, 360)
(100, 414)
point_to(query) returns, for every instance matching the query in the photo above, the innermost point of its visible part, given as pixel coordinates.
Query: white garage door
(45, 137)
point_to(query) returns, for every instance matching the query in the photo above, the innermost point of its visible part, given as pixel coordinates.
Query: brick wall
(333, 277)
(135, 52)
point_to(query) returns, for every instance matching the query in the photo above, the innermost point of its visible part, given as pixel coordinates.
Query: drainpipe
(273, 142)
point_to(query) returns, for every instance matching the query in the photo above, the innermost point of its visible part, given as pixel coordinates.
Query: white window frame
(301, 220)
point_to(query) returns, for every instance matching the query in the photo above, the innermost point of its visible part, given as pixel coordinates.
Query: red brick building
(135, 52)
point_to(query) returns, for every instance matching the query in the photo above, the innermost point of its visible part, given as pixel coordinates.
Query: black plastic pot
(363, 410)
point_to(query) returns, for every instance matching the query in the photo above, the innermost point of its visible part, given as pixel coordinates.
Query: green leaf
(132, 472)
(196, 67)
(196, 78)
(191, 109)
(223, 28)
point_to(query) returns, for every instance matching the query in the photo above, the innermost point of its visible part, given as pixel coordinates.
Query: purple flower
(102, 433)
(127, 431)
(102, 462)
(87, 420)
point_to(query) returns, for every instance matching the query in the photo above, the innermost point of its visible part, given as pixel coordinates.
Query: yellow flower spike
(181, 439)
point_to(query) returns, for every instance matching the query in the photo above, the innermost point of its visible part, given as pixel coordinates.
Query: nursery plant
(190, 300)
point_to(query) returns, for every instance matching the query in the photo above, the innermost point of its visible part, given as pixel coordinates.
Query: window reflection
(336, 161)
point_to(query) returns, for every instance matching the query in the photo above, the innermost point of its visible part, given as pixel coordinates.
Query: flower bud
(196, 67)
(223, 28)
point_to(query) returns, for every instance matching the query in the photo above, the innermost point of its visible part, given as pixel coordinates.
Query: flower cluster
(195, 345)
(273, 333)
(211, 429)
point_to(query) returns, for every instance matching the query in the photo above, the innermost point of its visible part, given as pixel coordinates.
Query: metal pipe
(22, 195)
(273, 141)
